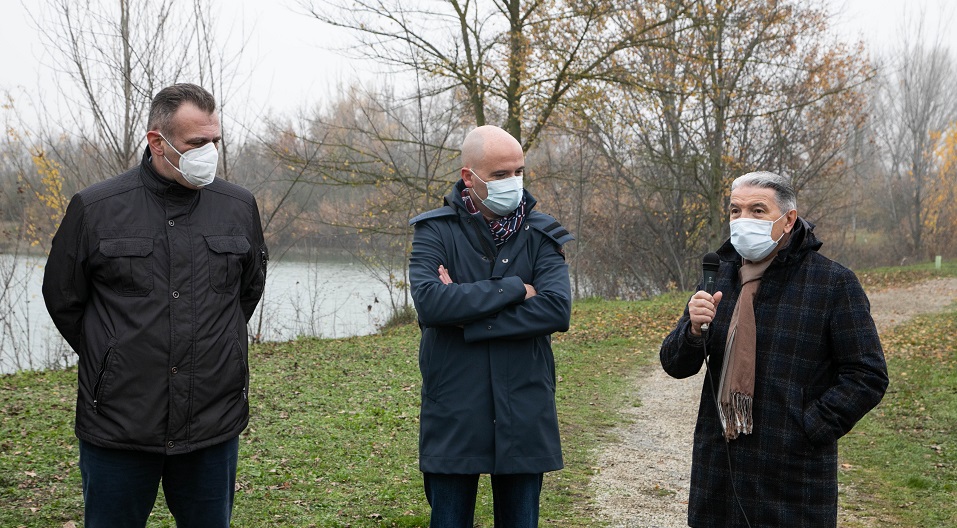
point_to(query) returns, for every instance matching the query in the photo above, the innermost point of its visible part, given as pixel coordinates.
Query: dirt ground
(645, 478)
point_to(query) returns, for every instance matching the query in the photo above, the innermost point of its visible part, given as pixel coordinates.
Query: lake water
(327, 297)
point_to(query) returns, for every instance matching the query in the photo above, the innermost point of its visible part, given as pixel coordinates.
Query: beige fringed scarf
(736, 389)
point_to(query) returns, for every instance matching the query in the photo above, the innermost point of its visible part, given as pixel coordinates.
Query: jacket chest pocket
(226, 254)
(129, 268)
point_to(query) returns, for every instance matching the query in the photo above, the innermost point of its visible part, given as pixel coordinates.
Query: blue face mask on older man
(752, 237)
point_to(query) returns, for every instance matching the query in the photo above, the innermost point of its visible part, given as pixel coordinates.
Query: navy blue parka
(488, 373)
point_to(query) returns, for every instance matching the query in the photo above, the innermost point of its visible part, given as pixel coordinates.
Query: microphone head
(710, 262)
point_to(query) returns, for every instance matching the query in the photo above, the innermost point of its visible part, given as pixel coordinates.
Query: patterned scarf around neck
(502, 228)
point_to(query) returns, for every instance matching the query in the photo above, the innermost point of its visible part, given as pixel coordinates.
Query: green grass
(333, 433)
(882, 278)
(902, 457)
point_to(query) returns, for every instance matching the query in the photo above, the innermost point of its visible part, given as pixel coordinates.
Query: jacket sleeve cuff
(691, 339)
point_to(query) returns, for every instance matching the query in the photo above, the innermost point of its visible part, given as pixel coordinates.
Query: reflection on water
(325, 298)
(28, 339)
(328, 297)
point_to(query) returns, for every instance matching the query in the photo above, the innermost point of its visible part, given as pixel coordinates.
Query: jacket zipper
(99, 379)
(245, 379)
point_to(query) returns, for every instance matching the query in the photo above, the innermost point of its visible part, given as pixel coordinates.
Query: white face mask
(752, 237)
(198, 166)
(504, 195)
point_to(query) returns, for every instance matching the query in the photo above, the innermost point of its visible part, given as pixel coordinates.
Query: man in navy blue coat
(490, 285)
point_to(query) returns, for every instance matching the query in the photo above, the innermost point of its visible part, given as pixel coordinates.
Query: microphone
(709, 265)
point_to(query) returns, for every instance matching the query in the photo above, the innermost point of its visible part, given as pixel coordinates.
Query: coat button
(169, 445)
(505, 261)
(490, 327)
(176, 295)
(526, 228)
(174, 370)
(171, 223)
(485, 259)
(500, 290)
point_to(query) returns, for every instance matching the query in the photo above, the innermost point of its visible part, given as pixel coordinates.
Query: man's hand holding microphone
(704, 304)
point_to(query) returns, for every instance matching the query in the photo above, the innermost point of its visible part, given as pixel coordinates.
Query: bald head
(489, 154)
(483, 140)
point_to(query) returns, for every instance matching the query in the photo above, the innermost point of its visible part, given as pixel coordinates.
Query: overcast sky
(289, 63)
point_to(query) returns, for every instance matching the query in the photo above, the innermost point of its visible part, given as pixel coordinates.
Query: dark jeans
(452, 497)
(120, 487)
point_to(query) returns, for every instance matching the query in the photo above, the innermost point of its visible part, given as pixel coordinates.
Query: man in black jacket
(152, 277)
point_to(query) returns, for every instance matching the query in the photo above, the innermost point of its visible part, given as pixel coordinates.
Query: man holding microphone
(794, 361)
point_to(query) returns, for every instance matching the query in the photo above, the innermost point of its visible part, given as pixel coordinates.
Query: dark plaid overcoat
(819, 369)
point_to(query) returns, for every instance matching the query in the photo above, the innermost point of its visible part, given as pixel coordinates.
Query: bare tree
(916, 103)
(116, 56)
(565, 175)
(515, 62)
(218, 67)
(394, 156)
(24, 219)
(736, 85)
(112, 58)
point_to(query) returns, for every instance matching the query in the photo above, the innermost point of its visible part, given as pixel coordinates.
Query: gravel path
(644, 479)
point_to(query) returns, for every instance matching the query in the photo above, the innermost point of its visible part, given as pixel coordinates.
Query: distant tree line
(635, 118)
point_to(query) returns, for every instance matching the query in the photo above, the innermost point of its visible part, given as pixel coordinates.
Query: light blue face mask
(752, 237)
(504, 195)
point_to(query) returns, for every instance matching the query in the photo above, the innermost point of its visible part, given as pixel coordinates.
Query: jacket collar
(454, 199)
(161, 186)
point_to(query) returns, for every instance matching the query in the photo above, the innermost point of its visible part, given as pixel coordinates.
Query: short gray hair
(781, 185)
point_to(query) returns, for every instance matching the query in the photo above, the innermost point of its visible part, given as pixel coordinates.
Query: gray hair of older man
(781, 185)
